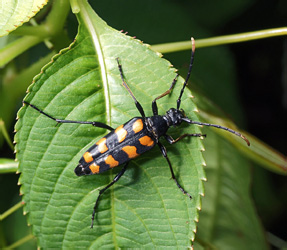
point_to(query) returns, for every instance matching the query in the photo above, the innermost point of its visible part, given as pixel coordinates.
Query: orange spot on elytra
(102, 145)
(146, 141)
(94, 168)
(88, 157)
(131, 151)
(138, 126)
(111, 161)
(121, 133)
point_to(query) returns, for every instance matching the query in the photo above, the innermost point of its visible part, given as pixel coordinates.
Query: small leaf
(15, 13)
(145, 208)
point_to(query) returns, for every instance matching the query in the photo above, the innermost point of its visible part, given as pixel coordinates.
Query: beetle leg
(117, 177)
(189, 72)
(95, 124)
(138, 105)
(154, 105)
(164, 153)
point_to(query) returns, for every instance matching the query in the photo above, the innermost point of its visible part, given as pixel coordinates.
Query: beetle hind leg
(117, 177)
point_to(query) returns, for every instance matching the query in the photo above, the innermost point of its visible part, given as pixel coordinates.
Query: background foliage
(248, 75)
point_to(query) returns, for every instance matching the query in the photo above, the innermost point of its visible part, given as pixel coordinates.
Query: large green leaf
(145, 208)
(228, 219)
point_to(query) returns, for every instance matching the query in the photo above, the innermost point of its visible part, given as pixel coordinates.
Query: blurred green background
(247, 80)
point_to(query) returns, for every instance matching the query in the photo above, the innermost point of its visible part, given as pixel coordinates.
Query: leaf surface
(228, 219)
(145, 208)
(15, 13)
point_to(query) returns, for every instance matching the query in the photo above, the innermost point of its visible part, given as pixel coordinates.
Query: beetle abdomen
(119, 146)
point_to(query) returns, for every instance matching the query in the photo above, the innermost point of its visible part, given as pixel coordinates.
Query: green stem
(219, 40)
(75, 6)
(20, 242)
(11, 210)
(57, 17)
(5, 134)
(17, 47)
(35, 31)
(8, 166)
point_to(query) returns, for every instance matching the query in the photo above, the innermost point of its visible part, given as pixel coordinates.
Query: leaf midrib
(98, 48)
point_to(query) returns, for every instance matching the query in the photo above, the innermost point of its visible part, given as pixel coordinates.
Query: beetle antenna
(188, 74)
(217, 126)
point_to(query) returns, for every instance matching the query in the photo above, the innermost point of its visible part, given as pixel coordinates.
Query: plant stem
(5, 134)
(75, 6)
(219, 40)
(57, 17)
(17, 47)
(11, 210)
(20, 242)
(8, 166)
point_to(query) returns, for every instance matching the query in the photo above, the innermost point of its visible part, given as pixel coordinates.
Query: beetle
(135, 137)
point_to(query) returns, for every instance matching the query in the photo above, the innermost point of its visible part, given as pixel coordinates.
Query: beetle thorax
(157, 126)
(174, 117)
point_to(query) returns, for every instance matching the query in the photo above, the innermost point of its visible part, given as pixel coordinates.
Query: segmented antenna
(217, 126)
(189, 72)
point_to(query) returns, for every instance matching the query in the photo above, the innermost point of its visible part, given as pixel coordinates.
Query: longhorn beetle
(135, 137)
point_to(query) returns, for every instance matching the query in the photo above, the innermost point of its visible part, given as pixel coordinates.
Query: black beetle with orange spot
(135, 137)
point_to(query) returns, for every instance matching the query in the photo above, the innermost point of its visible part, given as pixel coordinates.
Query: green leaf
(15, 13)
(258, 151)
(228, 219)
(145, 208)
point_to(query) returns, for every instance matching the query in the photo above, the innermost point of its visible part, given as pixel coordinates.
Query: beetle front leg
(154, 105)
